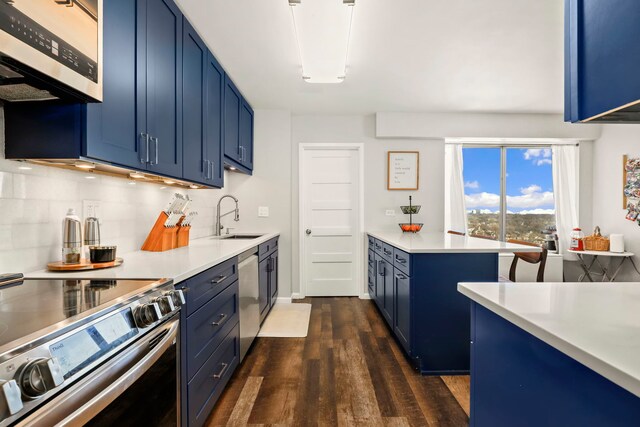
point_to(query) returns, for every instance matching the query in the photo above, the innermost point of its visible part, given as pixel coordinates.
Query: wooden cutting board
(84, 265)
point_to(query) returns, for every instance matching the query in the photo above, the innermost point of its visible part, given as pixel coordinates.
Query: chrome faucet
(218, 216)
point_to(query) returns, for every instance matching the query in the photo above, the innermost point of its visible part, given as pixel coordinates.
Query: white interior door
(330, 220)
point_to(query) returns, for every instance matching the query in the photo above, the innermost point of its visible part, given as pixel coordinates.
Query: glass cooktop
(31, 305)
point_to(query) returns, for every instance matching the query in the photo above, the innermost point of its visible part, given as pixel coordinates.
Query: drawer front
(267, 247)
(372, 242)
(402, 261)
(402, 309)
(377, 246)
(209, 283)
(387, 252)
(371, 261)
(207, 385)
(207, 327)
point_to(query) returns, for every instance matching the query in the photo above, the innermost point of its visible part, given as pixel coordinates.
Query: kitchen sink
(238, 236)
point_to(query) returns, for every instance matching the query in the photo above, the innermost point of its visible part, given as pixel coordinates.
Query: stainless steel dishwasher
(249, 299)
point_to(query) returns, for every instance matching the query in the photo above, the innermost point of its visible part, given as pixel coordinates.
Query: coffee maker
(550, 239)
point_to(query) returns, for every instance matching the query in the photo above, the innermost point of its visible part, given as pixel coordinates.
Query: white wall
(270, 186)
(377, 199)
(608, 212)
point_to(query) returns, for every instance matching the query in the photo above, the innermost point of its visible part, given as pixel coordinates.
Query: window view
(527, 197)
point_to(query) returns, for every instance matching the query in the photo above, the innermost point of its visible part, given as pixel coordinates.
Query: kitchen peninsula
(413, 277)
(554, 353)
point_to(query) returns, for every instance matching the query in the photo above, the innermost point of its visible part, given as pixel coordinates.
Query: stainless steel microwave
(50, 49)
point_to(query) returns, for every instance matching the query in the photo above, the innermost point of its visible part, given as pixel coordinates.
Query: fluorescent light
(323, 28)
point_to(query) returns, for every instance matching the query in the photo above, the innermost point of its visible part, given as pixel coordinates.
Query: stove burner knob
(39, 376)
(11, 401)
(177, 296)
(165, 303)
(147, 314)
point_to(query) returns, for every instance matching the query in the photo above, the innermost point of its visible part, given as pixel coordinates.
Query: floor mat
(287, 321)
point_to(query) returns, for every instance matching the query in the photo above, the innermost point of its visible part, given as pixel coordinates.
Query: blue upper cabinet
(194, 105)
(118, 144)
(160, 83)
(214, 120)
(246, 135)
(238, 129)
(232, 104)
(602, 59)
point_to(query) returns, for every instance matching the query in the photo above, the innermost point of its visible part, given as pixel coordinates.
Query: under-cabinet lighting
(136, 175)
(194, 186)
(85, 166)
(24, 168)
(169, 182)
(322, 30)
(90, 177)
(231, 168)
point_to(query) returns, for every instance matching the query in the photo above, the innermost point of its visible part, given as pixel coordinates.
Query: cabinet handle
(146, 138)
(378, 247)
(401, 276)
(220, 320)
(381, 268)
(210, 169)
(401, 260)
(218, 280)
(156, 143)
(386, 251)
(221, 373)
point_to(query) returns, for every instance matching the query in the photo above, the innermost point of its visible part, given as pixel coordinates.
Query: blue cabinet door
(387, 298)
(379, 287)
(163, 86)
(263, 287)
(602, 58)
(111, 132)
(246, 135)
(402, 309)
(232, 105)
(194, 73)
(273, 278)
(214, 120)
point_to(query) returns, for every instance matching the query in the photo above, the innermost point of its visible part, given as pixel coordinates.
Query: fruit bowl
(410, 228)
(410, 209)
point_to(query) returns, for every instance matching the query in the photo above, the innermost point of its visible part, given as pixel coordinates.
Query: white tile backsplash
(33, 203)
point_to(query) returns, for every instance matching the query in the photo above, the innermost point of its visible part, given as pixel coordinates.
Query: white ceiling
(404, 55)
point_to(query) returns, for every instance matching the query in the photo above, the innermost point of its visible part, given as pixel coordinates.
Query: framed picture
(403, 170)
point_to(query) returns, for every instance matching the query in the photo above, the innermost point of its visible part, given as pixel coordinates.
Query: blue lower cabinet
(263, 288)
(418, 298)
(208, 384)
(519, 380)
(209, 339)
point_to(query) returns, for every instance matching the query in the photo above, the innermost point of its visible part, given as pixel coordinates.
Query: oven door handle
(104, 397)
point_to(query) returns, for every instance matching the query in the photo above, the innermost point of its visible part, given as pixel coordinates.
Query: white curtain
(455, 214)
(566, 180)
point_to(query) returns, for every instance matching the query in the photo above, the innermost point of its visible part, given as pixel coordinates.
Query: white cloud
(531, 198)
(485, 200)
(474, 185)
(538, 211)
(539, 156)
(531, 189)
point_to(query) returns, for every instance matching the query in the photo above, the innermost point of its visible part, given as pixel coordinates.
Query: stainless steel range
(96, 352)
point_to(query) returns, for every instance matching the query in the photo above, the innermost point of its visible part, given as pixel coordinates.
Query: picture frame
(403, 170)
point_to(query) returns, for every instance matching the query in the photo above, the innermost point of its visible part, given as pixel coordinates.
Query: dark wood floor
(348, 371)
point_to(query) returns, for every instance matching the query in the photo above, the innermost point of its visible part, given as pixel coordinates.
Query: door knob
(308, 231)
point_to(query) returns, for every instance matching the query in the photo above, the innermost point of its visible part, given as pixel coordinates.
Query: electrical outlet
(90, 208)
(263, 211)
(390, 212)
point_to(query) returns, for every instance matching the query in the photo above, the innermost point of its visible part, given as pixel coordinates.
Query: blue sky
(529, 179)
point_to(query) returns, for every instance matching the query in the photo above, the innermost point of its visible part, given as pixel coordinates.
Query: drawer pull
(378, 247)
(387, 251)
(401, 276)
(401, 260)
(220, 320)
(218, 280)
(381, 268)
(222, 371)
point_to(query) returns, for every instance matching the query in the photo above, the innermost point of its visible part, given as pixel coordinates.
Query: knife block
(183, 236)
(162, 238)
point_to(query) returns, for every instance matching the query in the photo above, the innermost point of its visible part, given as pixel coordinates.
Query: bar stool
(530, 257)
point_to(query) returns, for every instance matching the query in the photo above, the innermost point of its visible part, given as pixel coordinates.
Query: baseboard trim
(296, 295)
(283, 300)
(365, 296)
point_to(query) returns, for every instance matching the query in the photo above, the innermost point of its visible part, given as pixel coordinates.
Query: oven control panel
(30, 378)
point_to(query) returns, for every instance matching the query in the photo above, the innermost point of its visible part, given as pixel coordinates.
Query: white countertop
(177, 264)
(439, 242)
(597, 324)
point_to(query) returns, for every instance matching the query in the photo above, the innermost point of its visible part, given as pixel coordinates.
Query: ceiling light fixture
(322, 31)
